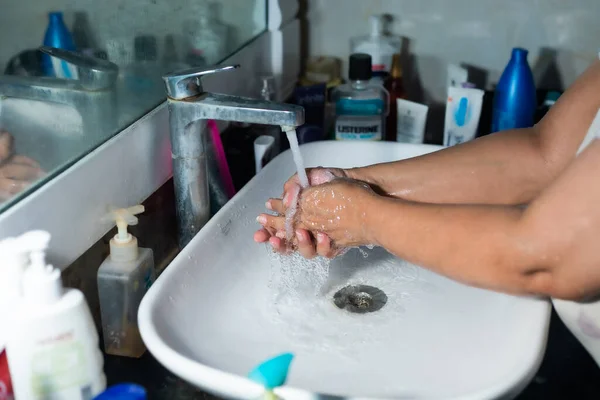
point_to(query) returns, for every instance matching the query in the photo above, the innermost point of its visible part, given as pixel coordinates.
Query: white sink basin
(221, 308)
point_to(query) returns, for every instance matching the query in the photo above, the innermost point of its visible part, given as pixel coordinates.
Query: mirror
(57, 106)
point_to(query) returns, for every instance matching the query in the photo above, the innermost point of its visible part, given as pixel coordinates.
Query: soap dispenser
(123, 280)
(52, 344)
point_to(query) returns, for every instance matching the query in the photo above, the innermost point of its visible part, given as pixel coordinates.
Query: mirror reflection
(76, 74)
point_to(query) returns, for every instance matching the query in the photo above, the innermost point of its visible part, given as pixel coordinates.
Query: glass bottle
(395, 87)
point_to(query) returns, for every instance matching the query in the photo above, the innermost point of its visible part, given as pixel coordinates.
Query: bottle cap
(124, 246)
(41, 281)
(360, 67)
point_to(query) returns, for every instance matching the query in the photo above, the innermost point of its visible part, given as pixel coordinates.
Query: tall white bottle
(52, 346)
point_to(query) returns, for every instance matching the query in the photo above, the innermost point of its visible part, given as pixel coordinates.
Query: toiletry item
(13, 263)
(57, 35)
(322, 69)
(379, 46)
(412, 119)
(463, 110)
(263, 146)
(551, 98)
(515, 97)
(206, 35)
(313, 99)
(82, 33)
(395, 88)
(456, 75)
(272, 372)
(123, 391)
(361, 107)
(53, 344)
(123, 279)
(14, 260)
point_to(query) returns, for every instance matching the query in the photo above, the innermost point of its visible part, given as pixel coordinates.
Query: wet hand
(332, 213)
(339, 210)
(307, 244)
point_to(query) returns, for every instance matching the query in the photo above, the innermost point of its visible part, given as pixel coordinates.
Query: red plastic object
(6, 391)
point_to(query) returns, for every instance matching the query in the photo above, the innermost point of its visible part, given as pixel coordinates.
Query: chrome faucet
(189, 109)
(92, 93)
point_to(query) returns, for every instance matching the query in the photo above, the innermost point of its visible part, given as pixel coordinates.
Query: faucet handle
(93, 73)
(187, 83)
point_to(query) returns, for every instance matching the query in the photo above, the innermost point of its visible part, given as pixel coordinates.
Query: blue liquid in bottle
(515, 98)
(57, 35)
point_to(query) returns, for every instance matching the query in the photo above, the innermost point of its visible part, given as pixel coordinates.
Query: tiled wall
(477, 32)
(23, 22)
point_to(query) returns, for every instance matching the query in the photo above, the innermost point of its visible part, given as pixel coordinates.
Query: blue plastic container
(57, 35)
(515, 98)
(124, 391)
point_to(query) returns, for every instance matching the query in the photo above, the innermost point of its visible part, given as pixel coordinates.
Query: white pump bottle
(52, 345)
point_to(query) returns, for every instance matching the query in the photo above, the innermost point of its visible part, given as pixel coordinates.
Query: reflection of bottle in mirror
(57, 35)
(207, 36)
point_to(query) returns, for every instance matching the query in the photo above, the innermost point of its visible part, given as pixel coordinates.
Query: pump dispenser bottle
(52, 344)
(123, 279)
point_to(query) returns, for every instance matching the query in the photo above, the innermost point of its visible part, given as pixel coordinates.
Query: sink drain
(360, 299)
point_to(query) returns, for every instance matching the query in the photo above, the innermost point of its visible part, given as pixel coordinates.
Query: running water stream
(291, 210)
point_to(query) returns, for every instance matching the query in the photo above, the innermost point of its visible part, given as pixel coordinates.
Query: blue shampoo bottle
(515, 98)
(57, 35)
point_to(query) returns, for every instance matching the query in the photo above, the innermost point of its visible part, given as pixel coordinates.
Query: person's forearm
(505, 168)
(509, 167)
(478, 245)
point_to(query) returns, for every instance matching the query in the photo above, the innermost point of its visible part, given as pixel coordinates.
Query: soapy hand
(304, 242)
(16, 172)
(333, 213)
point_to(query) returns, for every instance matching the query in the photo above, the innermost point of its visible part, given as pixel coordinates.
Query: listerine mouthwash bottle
(360, 107)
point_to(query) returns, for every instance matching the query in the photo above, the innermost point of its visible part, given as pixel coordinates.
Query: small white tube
(412, 118)
(456, 75)
(262, 145)
(463, 110)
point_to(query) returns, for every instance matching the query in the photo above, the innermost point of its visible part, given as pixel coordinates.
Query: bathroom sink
(226, 303)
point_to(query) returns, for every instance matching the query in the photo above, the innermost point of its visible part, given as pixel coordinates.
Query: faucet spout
(254, 111)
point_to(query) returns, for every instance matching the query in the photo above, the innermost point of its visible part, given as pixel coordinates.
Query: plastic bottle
(123, 279)
(515, 98)
(52, 346)
(57, 35)
(380, 47)
(124, 391)
(13, 262)
(395, 88)
(360, 107)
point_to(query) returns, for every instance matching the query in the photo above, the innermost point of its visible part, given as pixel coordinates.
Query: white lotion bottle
(52, 347)
(123, 280)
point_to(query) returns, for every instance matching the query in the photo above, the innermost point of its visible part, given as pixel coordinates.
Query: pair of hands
(330, 216)
(16, 172)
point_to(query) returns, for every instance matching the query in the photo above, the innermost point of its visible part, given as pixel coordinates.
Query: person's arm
(509, 167)
(550, 248)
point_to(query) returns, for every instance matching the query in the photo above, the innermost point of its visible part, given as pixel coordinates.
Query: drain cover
(360, 299)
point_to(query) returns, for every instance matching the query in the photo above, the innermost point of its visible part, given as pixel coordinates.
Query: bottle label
(358, 128)
(406, 129)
